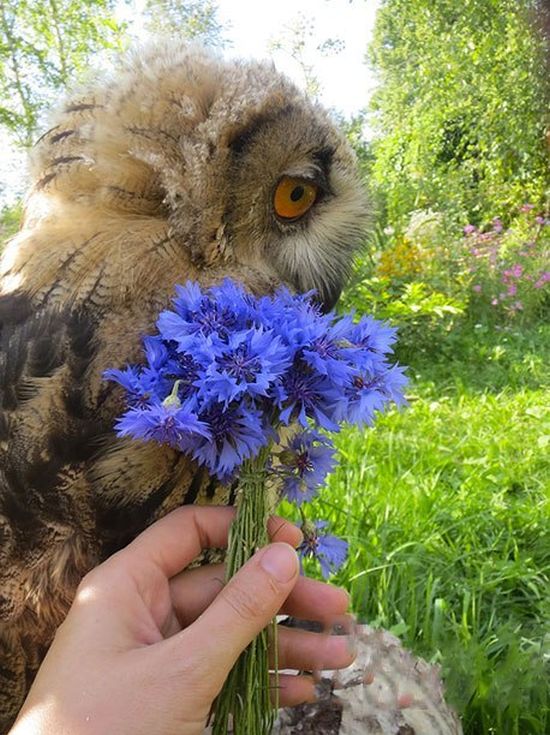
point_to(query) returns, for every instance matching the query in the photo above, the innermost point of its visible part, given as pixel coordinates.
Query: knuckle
(98, 580)
(244, 603)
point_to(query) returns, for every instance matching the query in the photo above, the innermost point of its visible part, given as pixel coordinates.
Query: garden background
(445, 503)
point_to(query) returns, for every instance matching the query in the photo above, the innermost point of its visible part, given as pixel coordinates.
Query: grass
(446, 507)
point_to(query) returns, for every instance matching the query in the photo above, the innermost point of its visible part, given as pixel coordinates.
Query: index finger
(172, 543)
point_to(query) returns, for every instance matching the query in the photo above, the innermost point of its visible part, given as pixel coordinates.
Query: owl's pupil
(297, 193)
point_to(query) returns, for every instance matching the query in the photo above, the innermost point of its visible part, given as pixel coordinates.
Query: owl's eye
(294, 197)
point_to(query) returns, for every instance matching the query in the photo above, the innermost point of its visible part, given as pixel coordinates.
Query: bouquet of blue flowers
(224, 376)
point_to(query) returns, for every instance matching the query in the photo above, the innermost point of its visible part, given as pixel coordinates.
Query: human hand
(146, 647)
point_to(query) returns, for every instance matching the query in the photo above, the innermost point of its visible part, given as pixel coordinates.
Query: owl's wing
(42, 439)
(66, 481)
(46, 434)
(71, 492)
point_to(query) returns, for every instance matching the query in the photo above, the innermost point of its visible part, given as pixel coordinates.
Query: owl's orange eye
(293, 197)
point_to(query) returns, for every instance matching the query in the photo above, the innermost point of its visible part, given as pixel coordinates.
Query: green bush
(432, 278)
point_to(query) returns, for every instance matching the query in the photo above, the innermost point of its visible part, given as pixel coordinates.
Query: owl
(176, 166)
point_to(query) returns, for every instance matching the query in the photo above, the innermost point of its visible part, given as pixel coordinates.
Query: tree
(461, 111)
(44, 46)
(194, 19)
(296, 41)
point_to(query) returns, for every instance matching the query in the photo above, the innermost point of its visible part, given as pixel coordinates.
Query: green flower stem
(244, 705)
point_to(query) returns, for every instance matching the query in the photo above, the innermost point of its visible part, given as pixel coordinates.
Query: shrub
(508, 268)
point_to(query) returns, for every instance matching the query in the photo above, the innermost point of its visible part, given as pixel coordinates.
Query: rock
(386, 691)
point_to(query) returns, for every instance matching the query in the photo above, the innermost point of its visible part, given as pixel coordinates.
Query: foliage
(44, 47)
(424, 315)
(10, 217)
(461, 110)
(445, 505)
(194, 19)
(431, 277)
(404, 278)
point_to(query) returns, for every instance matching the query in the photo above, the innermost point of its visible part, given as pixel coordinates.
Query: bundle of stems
(248, 701)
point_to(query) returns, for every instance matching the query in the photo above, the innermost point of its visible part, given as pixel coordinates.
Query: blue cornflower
(243, 365)
(199, 318)
(173, 424)
(231, 297)
(305, 463)
(156, 352)
(374, 335)
(250, 364)
(326, 351)
(237, 432)
(304, 394)
(142, 384)
(296, 317)
(130, 379)
(368, 393)
(330, 550)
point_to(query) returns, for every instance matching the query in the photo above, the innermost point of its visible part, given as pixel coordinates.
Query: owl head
(229, 165)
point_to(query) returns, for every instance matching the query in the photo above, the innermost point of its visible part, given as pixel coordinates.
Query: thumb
(242, 609)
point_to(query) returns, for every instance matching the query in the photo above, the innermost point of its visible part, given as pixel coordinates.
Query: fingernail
(280, 561)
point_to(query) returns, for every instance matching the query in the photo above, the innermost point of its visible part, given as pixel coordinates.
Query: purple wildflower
(470, 229)
(542, 279)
